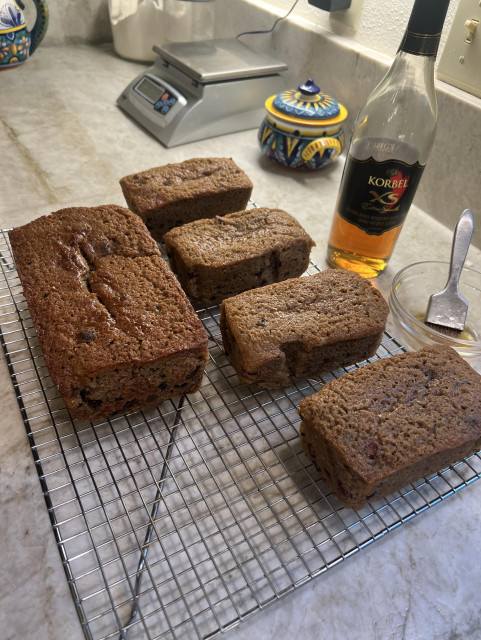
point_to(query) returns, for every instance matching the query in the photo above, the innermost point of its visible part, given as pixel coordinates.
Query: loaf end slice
(389, 423)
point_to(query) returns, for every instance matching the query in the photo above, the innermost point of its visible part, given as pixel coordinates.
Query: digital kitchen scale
(197, 90)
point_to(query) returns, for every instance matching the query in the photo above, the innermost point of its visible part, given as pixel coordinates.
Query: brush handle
(462, 238)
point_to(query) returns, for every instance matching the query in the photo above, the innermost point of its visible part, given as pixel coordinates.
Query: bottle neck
(415, 68)
(411, 74)
(423, 32)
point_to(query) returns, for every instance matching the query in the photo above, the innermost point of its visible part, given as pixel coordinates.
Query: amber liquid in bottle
(366, 255)
(392, 138)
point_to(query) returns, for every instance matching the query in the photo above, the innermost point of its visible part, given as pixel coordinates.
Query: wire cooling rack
(181, 521)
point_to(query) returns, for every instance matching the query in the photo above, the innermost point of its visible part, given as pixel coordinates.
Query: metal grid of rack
(182, 521)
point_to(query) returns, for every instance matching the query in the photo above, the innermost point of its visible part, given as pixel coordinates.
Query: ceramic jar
(302, 128)
(16, 41)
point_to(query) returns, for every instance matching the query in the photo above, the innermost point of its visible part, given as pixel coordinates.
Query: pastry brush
(447, 310)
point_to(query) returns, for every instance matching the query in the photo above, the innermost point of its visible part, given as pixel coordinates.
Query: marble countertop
(64, 142)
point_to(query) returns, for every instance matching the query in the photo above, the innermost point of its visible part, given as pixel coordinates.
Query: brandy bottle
(392, 138)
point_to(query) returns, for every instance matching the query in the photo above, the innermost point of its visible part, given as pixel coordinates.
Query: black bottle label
(376, 196)
(420, 44)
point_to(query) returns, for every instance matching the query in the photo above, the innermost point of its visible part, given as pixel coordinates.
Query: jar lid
(306, 106)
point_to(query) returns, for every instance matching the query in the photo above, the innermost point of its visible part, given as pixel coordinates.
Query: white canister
(136, 26)
(189, 20)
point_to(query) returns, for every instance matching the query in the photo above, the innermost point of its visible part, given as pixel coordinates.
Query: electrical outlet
(346, 22)
(331, 5)
(460, 63)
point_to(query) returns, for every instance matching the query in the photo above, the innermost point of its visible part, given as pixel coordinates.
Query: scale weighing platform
(198, 90)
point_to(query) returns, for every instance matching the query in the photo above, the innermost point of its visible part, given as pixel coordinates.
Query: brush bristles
(446, 331)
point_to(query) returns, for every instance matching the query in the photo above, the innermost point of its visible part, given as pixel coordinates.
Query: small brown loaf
(220, 257)
(116, 330)
(380, 427)
(174, 194)
(301, 327)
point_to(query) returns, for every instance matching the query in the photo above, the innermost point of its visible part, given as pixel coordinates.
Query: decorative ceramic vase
(16, 42)
(302, 128)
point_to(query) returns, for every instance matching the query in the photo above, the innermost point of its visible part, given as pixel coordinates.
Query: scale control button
(165, 103)
(162, 105)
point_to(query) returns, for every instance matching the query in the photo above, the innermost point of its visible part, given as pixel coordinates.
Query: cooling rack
(181, 521)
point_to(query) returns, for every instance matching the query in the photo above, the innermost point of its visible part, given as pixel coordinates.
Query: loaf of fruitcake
(222, 256)
(116, 330)
(174, 194)
(380, 427)
(299, 328)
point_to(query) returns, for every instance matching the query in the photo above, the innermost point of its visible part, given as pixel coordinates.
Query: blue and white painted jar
(17, 43)
(302, 128)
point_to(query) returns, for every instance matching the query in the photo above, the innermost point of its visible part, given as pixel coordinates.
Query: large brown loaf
(222, 256)
(116, 330)
(380, 427)
(174, 194)
(299, 328)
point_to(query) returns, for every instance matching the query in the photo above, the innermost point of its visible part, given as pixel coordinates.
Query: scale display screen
(150, 90)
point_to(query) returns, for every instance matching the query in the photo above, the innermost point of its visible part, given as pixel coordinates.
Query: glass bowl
(408, 300)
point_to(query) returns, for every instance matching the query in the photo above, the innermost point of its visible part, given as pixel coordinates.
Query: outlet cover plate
(346, 22)
(460, 63)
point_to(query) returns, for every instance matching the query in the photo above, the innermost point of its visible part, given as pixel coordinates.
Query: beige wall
(74, 21)
(381, 24)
